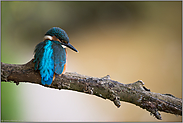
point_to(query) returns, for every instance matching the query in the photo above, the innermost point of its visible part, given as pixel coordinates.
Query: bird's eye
(64, 41)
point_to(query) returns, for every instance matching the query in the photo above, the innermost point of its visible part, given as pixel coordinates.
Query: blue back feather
(49, 58)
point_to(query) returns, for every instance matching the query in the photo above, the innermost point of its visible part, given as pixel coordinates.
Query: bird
(50, 55)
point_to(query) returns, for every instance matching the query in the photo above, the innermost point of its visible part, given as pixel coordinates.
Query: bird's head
(58, 34)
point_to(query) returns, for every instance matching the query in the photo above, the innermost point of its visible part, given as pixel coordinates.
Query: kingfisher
(50, 56)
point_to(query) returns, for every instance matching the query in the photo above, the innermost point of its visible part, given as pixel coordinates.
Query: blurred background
(129, 41)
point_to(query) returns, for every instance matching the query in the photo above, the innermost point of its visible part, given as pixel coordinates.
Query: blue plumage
(59, 57)
(50, 56)
(44, 61)
(58, 32)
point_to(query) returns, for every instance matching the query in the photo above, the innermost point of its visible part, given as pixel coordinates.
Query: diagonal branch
(105, 88)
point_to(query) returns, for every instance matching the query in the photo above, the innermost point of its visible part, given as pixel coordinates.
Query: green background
(126, 40)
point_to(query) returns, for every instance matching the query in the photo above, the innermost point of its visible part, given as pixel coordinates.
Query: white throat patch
(63, 46)
(47, 37)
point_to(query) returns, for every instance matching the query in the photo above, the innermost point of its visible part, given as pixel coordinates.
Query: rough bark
(135, 93)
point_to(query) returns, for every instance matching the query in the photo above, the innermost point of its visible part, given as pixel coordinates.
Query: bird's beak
(70, 46)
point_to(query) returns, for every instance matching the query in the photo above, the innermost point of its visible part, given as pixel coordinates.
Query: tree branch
(135, 93)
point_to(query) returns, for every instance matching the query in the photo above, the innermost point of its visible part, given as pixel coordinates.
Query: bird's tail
(46, 80)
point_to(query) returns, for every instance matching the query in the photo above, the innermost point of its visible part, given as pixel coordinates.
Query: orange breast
(65, 63)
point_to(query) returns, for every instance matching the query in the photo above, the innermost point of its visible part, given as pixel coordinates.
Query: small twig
(135, 93)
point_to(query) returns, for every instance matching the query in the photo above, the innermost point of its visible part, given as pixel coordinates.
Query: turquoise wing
(59, 56)
(39, 51)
